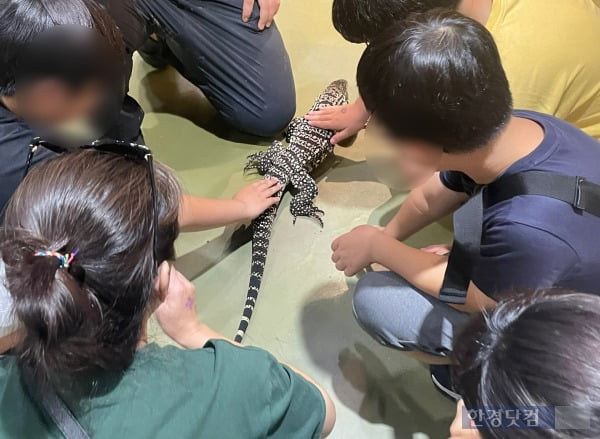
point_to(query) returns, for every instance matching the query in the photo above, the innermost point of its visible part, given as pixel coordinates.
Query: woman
(531, 370)
(85, 274)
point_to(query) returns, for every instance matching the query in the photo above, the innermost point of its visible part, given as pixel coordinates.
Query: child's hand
(177, 314)
(347, 120)
(257, 197)
(352, 251)
(438, 249)
(456, 429)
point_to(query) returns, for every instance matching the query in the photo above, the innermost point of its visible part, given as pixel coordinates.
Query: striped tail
(261, 237)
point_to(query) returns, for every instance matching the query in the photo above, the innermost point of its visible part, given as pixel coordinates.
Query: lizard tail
(261, 237)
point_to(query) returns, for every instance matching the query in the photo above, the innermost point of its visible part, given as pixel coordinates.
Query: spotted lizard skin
(307, 148)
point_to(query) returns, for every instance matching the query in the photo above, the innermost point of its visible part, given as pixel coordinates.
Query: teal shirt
(219, 392)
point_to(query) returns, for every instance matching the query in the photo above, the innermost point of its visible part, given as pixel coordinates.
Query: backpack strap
(467, 240)
(580, 193)
(54, 408)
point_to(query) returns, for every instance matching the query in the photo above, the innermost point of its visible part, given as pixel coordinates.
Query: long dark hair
(87, 317)
(537, 350)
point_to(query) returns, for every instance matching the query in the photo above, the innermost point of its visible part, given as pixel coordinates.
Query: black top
(15, 137)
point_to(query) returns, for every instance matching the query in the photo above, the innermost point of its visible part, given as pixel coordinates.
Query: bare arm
(197, 213)
(424, 205)
(10, 341)
(421, 269)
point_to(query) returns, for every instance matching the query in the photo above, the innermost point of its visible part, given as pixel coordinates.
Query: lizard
(308, 147)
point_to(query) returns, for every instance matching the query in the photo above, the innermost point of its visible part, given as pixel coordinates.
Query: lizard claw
(310, 211)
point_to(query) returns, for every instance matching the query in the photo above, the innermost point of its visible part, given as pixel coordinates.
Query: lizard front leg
(302, 204)
(262, 161)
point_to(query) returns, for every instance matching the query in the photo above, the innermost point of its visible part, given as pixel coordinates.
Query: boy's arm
(197, 213)
(367, 244)
(424, 205)
(423, 270)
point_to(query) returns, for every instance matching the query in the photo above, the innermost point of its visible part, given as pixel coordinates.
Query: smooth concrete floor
(304, 313)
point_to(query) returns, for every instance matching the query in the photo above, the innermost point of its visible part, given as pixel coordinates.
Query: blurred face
(57, 109)
(417, 161)
(411, 161)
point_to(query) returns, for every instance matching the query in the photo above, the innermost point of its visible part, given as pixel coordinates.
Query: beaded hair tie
(65, 260)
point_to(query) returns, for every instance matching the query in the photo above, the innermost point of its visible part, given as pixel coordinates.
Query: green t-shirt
(219, 392)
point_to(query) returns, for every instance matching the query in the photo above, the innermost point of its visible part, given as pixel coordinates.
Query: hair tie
(65, 260)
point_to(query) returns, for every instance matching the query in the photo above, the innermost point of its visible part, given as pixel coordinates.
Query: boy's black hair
(437, 77)
(361, 21)
(22, 21)
(538, 349)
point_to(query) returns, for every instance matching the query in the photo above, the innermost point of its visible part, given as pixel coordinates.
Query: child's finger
(324, 111)
(270, 202)
(335, 244)
(270, 182)
(340, 136)
(326, 124)
(272, 190)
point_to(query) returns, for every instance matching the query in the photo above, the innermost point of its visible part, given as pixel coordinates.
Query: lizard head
(335, 94)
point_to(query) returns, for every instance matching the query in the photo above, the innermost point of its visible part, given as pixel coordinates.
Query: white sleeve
(8, 320)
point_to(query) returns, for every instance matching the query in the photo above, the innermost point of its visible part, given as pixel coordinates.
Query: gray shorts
(398, 315)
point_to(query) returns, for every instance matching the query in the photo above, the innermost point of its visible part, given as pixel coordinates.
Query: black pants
(246, 74)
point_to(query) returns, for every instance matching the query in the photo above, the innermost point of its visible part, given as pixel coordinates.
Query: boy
(230, 49)
(548, 49)
(437, 85)
(63, 65)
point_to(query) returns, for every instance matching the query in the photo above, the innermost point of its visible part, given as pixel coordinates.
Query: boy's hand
(438, 249)
(347, 120)
(257, 197)
(456, 429)
(353, 251)
(177, 314)
(268, 9)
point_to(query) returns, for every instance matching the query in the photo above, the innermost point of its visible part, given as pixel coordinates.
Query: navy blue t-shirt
(533, 241)
(15, 138)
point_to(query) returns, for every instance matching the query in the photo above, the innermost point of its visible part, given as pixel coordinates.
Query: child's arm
(424, 205)
(366, 245)
(205, 213)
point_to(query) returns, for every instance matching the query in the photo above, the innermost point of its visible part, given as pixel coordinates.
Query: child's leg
(398, 315)
(245, 73)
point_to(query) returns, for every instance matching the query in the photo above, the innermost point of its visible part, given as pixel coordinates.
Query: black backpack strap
(580, 193)
(54, 408)
(457, 276)
(467, 240)
(576, 191)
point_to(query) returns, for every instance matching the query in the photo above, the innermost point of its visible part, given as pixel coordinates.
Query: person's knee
(377, 305)
(364, 303)
(269, 119)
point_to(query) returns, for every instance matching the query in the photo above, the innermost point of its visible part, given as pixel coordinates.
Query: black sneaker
(442, 380)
